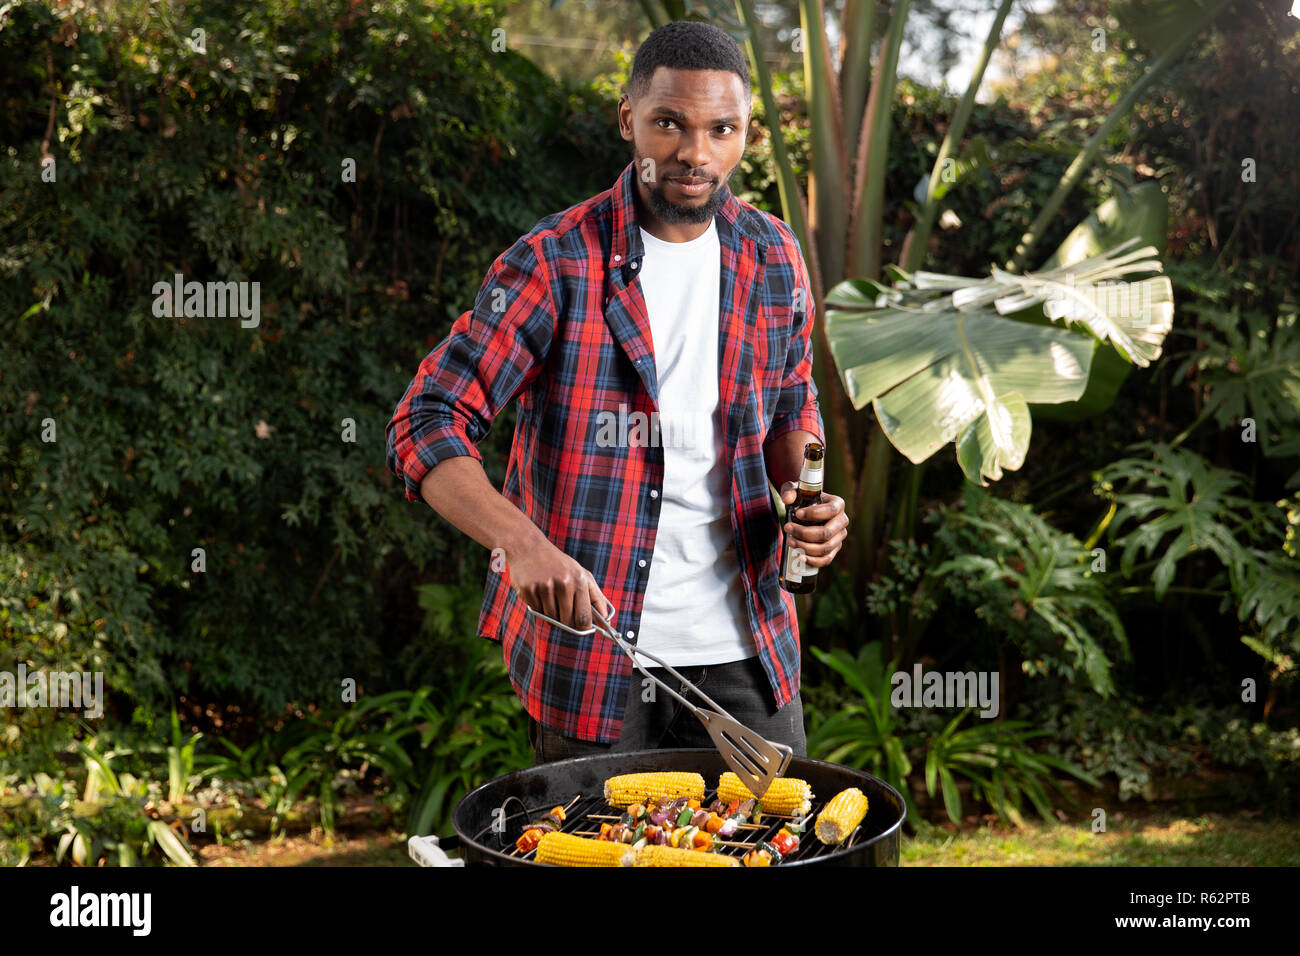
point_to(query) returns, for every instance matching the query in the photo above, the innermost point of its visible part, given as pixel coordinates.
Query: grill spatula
(756, 760)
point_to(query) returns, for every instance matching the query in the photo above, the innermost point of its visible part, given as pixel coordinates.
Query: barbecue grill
(490, 818)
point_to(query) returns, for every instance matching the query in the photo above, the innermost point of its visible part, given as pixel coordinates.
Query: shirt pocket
(771, 353)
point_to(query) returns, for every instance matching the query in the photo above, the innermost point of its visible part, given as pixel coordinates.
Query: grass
(1150, 839)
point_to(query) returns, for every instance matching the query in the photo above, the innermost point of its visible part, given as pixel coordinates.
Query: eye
(664, 119)
(726, 126)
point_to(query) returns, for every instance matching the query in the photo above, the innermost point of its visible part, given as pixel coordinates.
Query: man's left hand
(822, 540)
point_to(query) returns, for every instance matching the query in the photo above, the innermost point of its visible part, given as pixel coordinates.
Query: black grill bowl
(537, 789)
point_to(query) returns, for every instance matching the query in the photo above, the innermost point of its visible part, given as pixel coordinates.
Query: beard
(678, 214)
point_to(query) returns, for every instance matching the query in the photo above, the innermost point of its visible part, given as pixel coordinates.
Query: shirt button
(634, 266)
(641, 563)
(631, 634)
(618, 258)
(654, 493)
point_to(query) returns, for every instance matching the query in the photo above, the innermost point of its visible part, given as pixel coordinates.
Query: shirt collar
(627, 245)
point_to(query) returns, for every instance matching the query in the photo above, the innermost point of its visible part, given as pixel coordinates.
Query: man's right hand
(550, 581)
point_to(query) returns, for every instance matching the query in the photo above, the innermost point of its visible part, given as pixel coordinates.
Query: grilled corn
(633, 788)
(565, 849)
(841, 816)
(669, 856)
(787, 796)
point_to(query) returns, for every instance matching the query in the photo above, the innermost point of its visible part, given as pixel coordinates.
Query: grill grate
(584, 813)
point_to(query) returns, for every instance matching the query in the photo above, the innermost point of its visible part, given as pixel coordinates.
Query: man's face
(688, 136)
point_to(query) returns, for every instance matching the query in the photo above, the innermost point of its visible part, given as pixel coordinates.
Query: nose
(693, 154)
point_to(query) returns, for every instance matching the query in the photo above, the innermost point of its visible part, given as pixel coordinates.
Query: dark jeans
(741, 688)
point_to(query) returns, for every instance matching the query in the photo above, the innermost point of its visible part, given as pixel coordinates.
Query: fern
(1012, 552)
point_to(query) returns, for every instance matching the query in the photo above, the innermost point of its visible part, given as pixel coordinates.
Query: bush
(180, 434)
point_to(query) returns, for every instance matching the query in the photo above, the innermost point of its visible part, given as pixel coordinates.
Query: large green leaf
(1133, 315)
(941, 359)
(1142, 211)
(939, 376)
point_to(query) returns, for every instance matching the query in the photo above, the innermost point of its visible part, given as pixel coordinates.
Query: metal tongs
(756, 760)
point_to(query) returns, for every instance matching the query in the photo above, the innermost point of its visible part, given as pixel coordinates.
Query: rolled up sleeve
(492, 353)
(797, 408)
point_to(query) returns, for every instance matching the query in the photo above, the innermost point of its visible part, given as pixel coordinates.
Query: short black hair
(687, 45)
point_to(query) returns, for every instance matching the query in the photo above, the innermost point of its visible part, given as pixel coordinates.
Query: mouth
(691, 185)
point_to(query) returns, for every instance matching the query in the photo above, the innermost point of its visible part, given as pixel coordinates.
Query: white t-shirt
(694, 611)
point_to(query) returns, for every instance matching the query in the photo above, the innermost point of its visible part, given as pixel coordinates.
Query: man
(664, 300)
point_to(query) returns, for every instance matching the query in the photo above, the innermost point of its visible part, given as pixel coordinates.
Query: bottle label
(810, 477)
(796, 566)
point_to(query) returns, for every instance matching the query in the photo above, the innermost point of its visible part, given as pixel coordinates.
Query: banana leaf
(1141, 211)
(940, 361)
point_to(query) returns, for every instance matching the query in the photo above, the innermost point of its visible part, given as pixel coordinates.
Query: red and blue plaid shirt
(560, 325)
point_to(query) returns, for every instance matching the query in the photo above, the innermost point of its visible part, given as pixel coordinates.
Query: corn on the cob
(787, 796)
(654, 855)
(841, 816)
(565, 849)
(633, 788)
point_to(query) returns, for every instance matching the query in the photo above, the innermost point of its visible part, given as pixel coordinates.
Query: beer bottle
(795, 575)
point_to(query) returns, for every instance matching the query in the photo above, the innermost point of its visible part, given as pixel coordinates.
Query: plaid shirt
(560, 325)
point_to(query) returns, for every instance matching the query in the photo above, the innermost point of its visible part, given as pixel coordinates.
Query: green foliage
(1032, 585)
(481, 734)
(448, 608)
(757, 176)
(1178, 493)
(424, 749)
(176, 434)
(180, 762)
(1268, 599)
(1174, 505)
(1007, 164)
(318, 757)
(852, 721)
(1249, 363)
(902, 586)
(110, 825)
(1138, 741)
(855, 724)
(999, 761)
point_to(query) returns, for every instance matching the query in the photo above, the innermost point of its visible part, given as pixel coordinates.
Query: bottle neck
(810, 476)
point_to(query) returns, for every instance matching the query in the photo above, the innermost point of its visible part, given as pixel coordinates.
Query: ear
(625, 117)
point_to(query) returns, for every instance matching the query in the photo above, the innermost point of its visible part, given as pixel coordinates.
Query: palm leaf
(940, 361)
